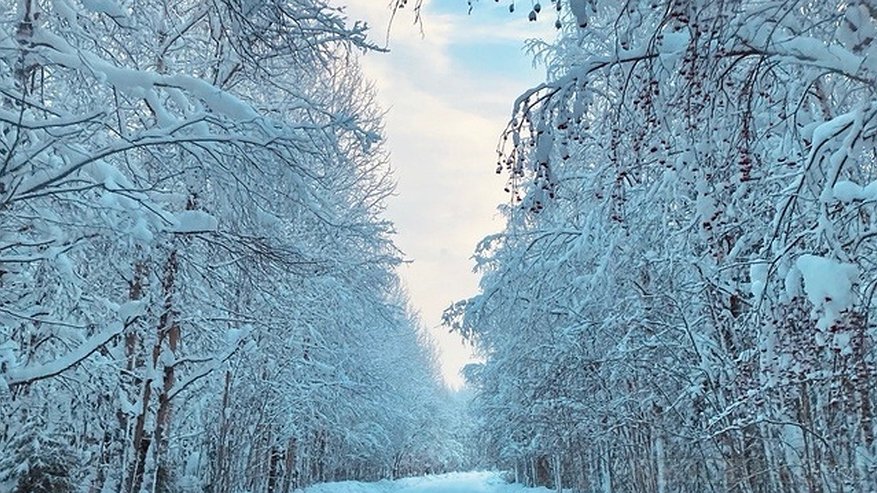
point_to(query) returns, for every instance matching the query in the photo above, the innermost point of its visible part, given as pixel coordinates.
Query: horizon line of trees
(197, 284)
(682, 299)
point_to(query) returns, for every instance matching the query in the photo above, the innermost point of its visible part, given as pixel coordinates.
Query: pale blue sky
(449, 94)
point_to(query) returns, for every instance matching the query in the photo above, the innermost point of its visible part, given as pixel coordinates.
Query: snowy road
(458, 482)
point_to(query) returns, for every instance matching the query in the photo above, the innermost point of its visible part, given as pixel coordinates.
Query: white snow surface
(848, 191)
(828, 285)
(673, 42)
(456, 482)
(758, 278)
(194, 222)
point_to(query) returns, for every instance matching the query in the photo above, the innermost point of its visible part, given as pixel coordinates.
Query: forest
(200, 289)
(683, 297)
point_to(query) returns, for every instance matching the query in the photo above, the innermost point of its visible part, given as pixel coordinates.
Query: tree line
(197, 283)
(682, 297)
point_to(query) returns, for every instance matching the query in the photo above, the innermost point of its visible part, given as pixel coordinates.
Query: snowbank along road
(457, 482)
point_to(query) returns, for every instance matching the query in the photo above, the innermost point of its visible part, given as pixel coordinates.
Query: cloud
(448, 93)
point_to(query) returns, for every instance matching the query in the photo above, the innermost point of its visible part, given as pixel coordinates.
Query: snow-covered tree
(681, 298)
(197, 286)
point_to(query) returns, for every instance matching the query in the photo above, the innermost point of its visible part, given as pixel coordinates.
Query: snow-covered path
(457, 482)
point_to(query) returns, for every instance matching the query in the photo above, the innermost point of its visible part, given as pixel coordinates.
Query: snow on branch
(31, 374)
(209, 366)
(770, 40)
(140, 82)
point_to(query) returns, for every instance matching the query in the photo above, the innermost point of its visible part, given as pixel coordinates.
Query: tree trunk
(166, 330)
